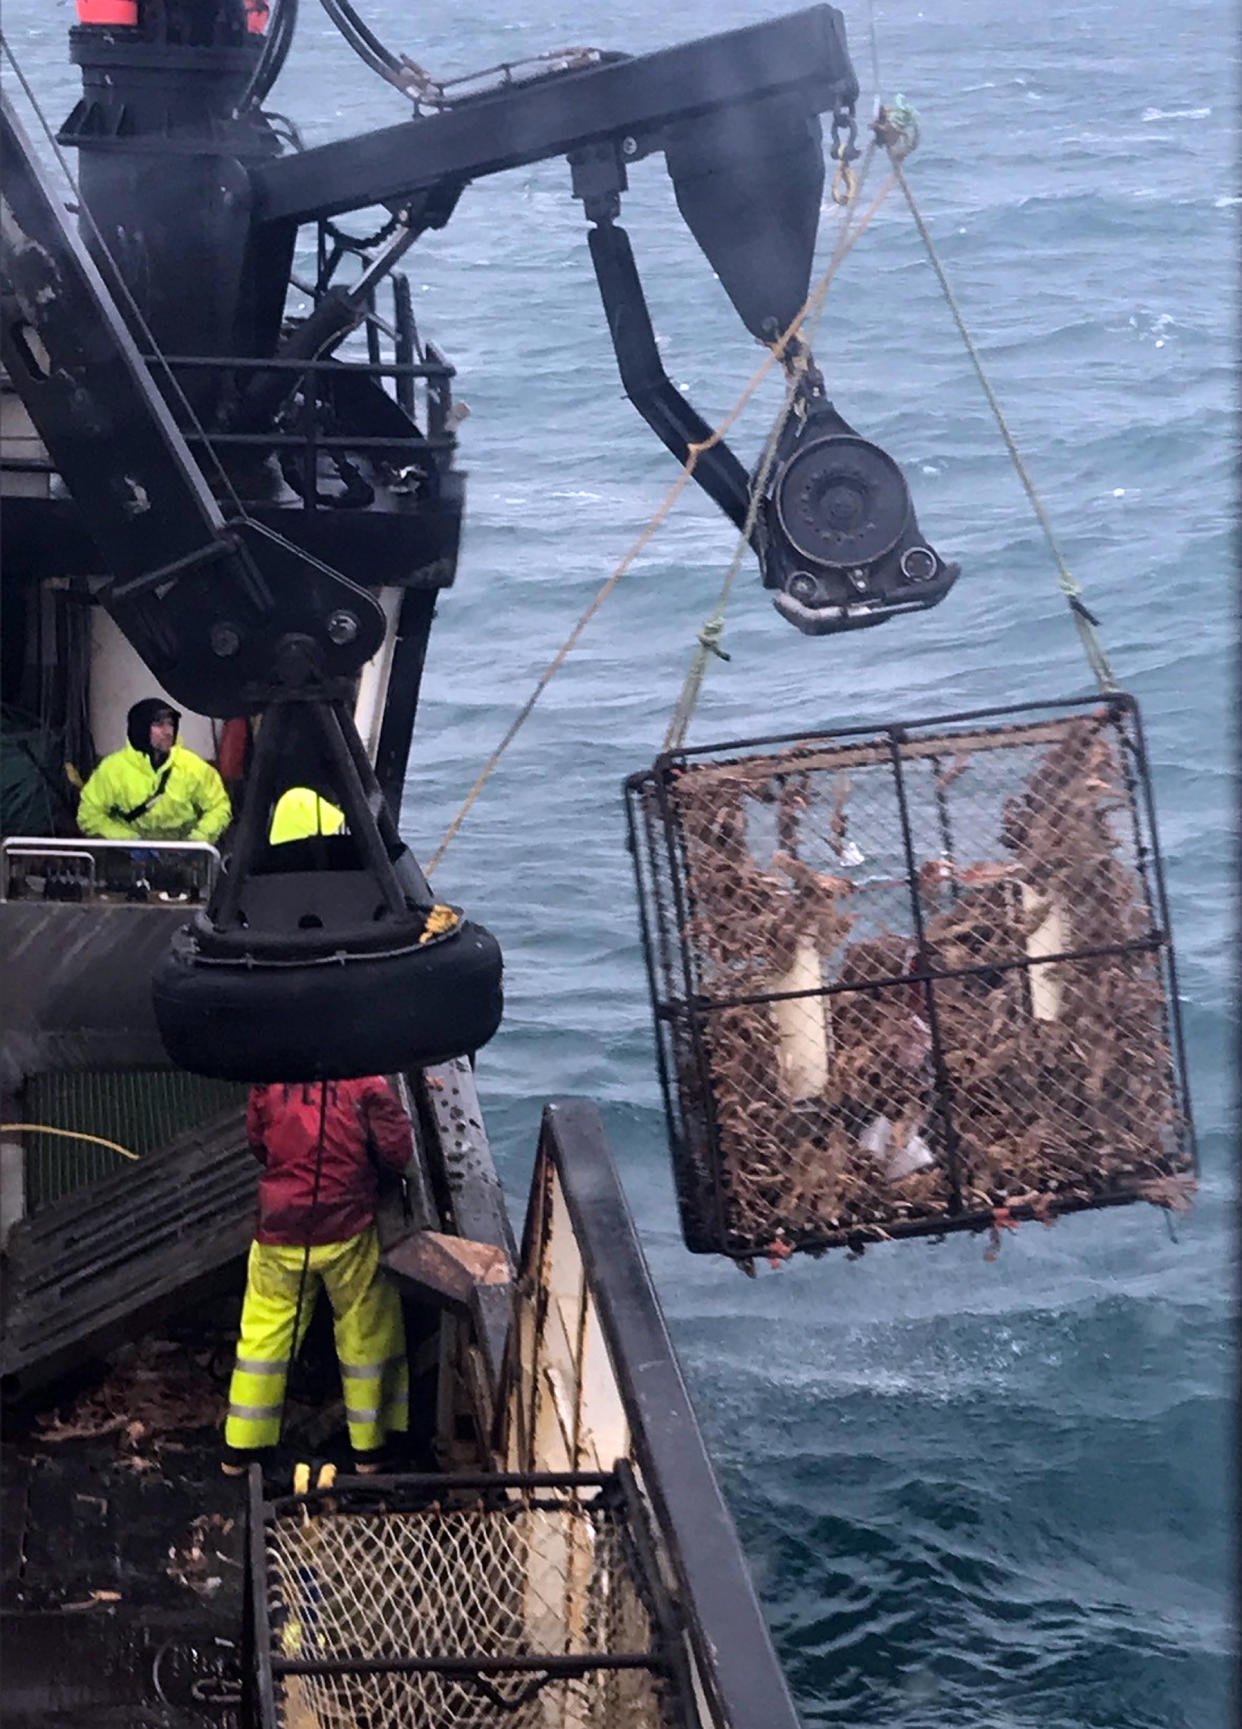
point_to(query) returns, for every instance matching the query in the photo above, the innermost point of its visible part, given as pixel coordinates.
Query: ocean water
(988, 1496)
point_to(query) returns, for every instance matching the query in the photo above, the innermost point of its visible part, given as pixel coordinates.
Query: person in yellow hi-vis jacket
(320, 1144)
(153, 788)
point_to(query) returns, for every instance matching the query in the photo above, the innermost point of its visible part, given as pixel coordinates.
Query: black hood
(139, 719)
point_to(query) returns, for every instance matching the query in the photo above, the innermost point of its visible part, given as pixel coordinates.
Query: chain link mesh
(859, 1033)
(525, 1576)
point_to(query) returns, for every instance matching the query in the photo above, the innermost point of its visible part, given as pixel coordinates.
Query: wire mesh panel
(911, 979)
(421, 1603)
(141, 1109)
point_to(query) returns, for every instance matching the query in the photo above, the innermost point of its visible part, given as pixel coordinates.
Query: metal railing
(592, 1376)
(311, 439)
(594, 1579)
(430, 435)
(33, 867)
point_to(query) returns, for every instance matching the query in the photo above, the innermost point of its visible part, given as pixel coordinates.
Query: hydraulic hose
(275, 51)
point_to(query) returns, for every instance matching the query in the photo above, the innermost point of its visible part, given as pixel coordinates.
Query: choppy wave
(1150, 114)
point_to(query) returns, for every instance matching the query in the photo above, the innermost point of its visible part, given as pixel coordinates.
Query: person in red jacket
(321, 1145)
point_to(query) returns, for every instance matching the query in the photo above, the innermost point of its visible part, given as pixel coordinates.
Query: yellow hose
(65, 1134)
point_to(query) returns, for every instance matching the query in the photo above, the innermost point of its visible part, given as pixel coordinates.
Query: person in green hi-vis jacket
(154, 789)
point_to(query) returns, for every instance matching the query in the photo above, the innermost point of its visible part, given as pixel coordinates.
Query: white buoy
(802, 1025)
(1050, 937)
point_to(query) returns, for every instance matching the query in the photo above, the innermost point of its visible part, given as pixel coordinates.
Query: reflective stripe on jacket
(282, 1123)
(192, 806)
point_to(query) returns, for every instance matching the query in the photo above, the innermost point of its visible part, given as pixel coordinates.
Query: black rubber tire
(370, 1016)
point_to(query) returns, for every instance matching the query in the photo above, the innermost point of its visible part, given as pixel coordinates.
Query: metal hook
(844, 150)
(844, 184)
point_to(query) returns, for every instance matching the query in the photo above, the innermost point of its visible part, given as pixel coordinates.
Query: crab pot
(912, 979)
(464, 1602)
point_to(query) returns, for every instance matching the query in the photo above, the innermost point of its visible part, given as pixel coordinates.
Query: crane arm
(802, 55)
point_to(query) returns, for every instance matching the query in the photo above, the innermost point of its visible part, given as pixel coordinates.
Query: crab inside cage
(912, 979)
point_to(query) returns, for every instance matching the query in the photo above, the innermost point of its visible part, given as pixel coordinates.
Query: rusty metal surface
(463, 1177)
(449, 1269)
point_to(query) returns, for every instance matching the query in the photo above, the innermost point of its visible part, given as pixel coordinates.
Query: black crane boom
(803, 55)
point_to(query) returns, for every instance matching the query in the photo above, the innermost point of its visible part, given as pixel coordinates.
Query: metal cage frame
(658, 849)
(614, 1495)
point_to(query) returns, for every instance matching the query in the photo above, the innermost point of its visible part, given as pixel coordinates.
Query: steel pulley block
(842, 502)
(839, 539)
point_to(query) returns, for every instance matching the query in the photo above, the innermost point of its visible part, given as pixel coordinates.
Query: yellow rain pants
(369, 1331)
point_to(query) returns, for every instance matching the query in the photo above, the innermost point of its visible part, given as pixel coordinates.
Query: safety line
(1071, 588)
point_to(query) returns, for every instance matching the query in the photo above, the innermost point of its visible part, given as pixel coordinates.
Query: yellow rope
(775, 353)
(65, 1134)
(1069, 585)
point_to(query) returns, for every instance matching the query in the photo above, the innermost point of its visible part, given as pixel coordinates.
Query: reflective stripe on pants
(369, 1332)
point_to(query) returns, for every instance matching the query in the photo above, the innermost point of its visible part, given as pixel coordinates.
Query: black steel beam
(803, 53)
(675, 423)
(392, 753)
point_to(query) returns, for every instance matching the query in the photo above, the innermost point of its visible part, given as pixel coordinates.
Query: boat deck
(122, 1580)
